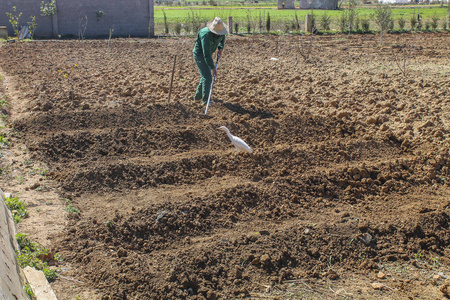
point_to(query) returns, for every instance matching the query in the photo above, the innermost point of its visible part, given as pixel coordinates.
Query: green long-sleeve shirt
(207, 42)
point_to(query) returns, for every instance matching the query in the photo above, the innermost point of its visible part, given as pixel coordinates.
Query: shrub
(48, 9)
(383, 18)
(325, 21)
(268, 23)
(401, 23)
(365, 25)
(14, 20)
(343, 21)
(413, 22)
(177, 28)
(249, 22)
(419, 25)
(357, 22)
(434, 22)
(32, 25)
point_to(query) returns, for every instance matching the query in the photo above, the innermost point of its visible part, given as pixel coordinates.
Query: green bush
(18, 208)
(365, 25)
(325, 21)
(413, 22)
(35, 255)
(434, 22)
(401, 23)
(177, 28)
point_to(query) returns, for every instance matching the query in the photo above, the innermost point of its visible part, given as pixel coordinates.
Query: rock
(238, 272)
(377, 286)
(333, 276)
(47, 106)
(122, 253)
(366, 238)
(334, 103)
(343, 114)
(372, 120)
(427, 124)
(384, 127)
(445, 288)
(381, 275)
(265, 260)
(363, 225)
(211, 295)
(171, 276)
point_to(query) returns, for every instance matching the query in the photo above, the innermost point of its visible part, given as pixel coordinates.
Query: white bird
(237, 142)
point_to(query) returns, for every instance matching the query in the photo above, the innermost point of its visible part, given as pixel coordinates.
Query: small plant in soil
(109, 224)
(4, 141)
(29, 291)
(32, 25)
(72, 209)
(419, 255)
(17, 207)
(14, 21)
(35, 255)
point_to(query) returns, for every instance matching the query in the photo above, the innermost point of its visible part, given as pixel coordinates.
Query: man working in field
(208, 40)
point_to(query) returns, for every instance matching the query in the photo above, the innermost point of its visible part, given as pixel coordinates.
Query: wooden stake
(171, 80)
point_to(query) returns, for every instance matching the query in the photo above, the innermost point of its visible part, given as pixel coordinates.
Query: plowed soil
(345, 196)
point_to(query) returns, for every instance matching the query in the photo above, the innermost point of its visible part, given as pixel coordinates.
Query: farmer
(208, 40)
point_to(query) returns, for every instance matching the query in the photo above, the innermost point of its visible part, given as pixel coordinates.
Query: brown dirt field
(346, 195)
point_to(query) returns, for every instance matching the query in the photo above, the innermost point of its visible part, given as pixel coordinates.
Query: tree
(14, 20)
(383, 18)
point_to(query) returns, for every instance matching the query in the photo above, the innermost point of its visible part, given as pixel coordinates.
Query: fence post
(230, 24)
(308, 23)
(55, 28)
(151, 21)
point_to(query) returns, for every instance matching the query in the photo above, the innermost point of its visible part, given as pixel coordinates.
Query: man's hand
(214, 72)
(219, 52)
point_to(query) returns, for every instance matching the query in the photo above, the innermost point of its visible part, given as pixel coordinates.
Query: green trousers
(204, 86)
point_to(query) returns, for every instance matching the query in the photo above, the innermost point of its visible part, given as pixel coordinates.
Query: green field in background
(239, 14)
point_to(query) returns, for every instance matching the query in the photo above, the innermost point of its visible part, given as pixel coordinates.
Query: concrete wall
(318, 4)
(11, 286)
(129, 17)
(286, 4)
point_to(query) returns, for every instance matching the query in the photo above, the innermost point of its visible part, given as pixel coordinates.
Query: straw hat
(217, 26)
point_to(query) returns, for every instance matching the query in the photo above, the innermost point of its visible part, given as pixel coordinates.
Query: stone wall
(318, 4)
(11, 286)
(286, 4)
(127, 18)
